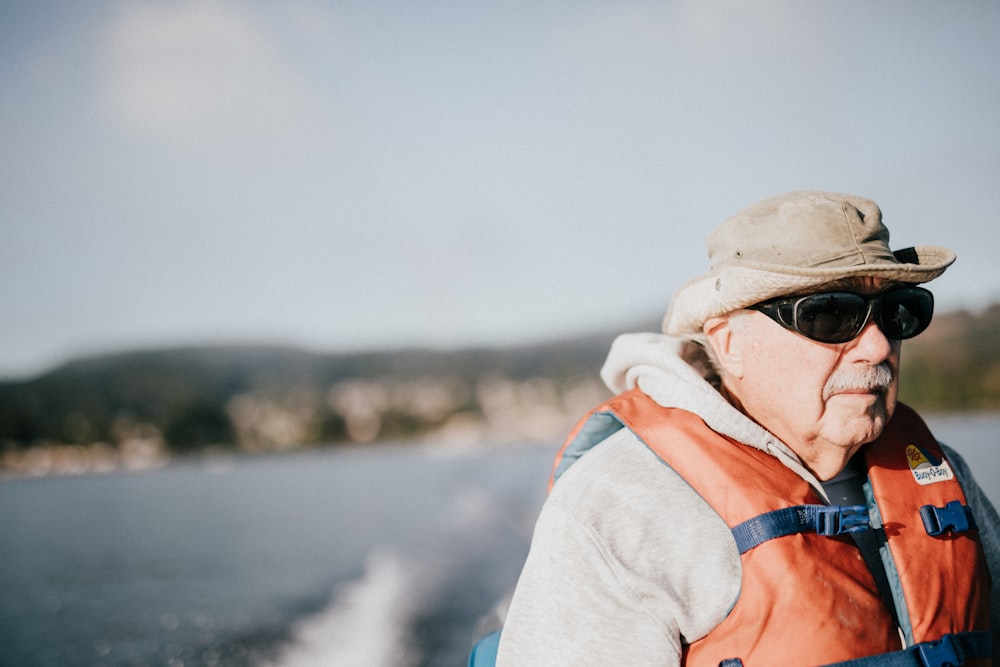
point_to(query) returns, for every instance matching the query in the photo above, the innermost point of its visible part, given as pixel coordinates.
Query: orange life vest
(807, 598)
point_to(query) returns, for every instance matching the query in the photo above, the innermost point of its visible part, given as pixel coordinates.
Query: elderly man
(754, 494)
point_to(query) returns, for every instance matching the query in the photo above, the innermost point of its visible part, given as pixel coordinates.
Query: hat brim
(734, 287)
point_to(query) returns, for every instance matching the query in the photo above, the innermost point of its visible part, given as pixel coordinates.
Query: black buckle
(954, 517)
(840, 519)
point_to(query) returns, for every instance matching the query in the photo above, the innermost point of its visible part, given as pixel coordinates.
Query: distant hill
(955, 364)
(156, 402)
(261, 398)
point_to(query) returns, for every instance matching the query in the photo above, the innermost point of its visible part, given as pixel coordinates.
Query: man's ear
(725, 343)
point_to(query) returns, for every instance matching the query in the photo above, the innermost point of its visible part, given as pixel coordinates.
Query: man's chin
(864, 417)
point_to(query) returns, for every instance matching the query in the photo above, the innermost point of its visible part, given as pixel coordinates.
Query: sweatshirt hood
(664, 368)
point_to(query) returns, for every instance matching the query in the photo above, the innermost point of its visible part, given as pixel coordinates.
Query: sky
(372, 174)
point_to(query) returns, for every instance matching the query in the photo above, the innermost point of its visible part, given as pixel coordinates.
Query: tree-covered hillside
(955, 364)
(143, 406)
(266, 398)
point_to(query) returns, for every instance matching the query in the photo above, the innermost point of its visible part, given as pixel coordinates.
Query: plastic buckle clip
(953, 517)
(940, 653)
(840, 519)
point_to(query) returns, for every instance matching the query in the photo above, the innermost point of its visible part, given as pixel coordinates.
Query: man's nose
(872, 344)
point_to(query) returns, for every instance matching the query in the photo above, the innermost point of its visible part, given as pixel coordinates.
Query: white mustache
(866, 378)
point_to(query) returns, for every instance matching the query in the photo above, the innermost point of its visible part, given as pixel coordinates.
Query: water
(386, 556)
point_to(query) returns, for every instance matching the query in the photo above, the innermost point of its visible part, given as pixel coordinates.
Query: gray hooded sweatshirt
(628, 563)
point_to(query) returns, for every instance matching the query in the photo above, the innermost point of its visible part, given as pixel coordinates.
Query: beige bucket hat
(791, 243)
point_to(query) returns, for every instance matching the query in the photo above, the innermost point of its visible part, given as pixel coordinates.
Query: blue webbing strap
(949, 651)
(821, 519)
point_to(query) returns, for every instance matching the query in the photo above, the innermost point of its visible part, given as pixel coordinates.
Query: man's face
(817, 397)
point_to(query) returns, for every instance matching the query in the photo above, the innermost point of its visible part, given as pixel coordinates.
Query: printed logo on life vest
(926, 467)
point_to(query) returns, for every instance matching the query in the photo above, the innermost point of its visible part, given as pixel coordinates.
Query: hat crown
(805, 229)
(793, 242)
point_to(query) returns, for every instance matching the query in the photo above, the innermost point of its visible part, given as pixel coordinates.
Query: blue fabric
(953, 650)
(599, 426)
(949, 651)
(484, 653)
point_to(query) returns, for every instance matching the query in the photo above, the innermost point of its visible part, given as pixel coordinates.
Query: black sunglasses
(837, 317)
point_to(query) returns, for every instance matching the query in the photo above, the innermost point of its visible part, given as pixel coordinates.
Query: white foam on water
(365, 623)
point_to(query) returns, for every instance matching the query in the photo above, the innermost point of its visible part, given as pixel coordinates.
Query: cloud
(195, 72)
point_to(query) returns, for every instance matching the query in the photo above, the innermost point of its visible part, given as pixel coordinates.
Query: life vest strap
(949, 651)
(821, 519)
(953, 517)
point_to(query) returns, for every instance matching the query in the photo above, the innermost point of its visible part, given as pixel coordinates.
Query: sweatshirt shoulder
(665, 542)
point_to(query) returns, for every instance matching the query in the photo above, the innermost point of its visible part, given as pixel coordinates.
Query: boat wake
(365, 625)
(427, 602)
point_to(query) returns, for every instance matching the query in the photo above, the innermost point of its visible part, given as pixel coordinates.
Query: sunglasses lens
(837, 317)
(832, 317)
(904, 313)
